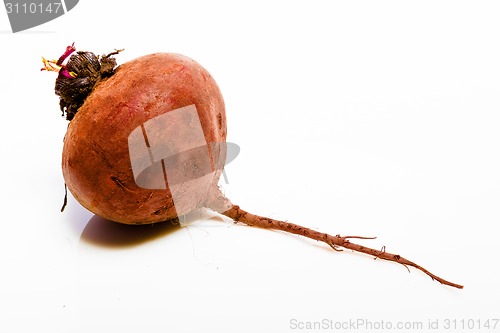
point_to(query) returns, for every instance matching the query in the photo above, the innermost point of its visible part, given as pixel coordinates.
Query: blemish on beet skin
(219, 119)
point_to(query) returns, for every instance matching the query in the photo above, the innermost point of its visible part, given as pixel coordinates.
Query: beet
(146, 143)
(96, 164)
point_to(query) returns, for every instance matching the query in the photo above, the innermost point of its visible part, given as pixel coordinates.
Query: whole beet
(109, 111)
(96, 164)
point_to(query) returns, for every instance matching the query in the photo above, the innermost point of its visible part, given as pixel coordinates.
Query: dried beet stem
(239, 215)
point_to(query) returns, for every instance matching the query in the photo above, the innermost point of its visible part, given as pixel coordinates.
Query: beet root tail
(336, 242)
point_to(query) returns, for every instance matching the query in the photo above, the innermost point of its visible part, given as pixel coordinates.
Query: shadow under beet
(102, 232)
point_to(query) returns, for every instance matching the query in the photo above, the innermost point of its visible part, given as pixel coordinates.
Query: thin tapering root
(65, 198)
(357, 237)
(335, 247)
(239, 215)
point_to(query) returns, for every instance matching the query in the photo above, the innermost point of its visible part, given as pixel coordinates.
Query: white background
(374, 118)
